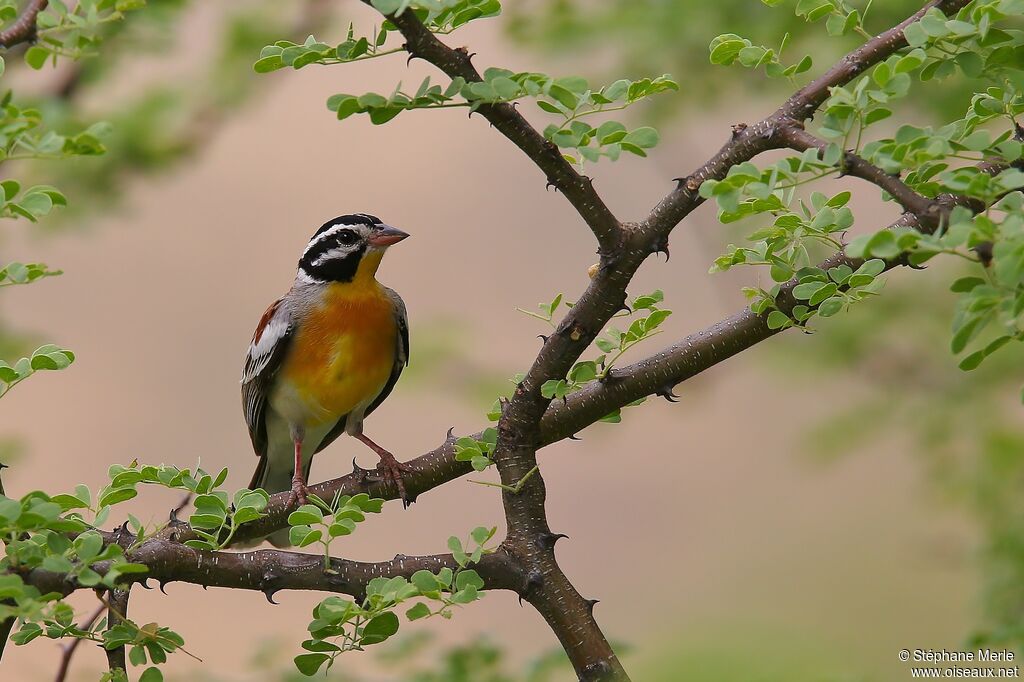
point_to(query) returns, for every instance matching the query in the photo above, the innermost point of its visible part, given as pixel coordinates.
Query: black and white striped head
(340, 246)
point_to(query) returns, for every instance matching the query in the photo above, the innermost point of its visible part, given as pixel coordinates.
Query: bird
(325, 355)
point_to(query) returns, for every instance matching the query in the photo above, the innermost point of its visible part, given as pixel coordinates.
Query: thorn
(144, 584)
(400, 557)
(4, 466)
(269, 594)
(163, 584)
(668, 394)
(447, 439)
(591, 603)
(548, 540)
(411, 57)
(662, 247)
(574, 437)
(543, 338)
(689, 183)
(533, 581)
(549, 185)
(359, 472)
(624, 307)
(205, 587)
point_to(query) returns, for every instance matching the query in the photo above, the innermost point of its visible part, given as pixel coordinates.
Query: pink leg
(298, 480)
(390, 467)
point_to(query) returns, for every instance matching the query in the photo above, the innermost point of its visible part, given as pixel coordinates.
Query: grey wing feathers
(401, 360)
(266, 351)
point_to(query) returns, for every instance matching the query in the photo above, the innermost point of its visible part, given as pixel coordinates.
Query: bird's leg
(390, 467)
(298, 480)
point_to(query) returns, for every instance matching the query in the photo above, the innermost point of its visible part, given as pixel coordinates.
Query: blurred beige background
(705, 533)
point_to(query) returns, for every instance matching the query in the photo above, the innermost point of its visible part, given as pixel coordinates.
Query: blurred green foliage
(649, 36)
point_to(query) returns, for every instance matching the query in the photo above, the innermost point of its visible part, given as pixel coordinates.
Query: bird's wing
(401, 360)
(266, 351)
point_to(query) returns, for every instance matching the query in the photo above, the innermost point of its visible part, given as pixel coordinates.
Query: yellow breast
(344, 351)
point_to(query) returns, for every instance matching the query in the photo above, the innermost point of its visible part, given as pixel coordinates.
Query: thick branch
(24, 27)
(270, 571)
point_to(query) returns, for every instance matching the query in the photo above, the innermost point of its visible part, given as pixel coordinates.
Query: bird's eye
(347, 237)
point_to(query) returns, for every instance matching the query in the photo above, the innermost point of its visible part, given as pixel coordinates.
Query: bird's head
(347, 247)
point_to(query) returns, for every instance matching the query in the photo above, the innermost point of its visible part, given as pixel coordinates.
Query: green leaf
(966, 333)
(965, 284)
(645, 137)
(418, 611)
(883, 245)
(972, 361)
(379, 628)
(36, 56)
(306, 515)
(778, 319)
(309, 664)
(152, 675)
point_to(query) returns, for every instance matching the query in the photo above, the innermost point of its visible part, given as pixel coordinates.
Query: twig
(23, 28)
(797, 138)
(68, 650)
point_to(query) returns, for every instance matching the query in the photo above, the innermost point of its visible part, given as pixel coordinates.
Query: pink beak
(386, 236)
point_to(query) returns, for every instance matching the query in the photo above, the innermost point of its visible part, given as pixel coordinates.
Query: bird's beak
(387, 235)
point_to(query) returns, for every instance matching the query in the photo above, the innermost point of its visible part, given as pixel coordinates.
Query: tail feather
(274, 474)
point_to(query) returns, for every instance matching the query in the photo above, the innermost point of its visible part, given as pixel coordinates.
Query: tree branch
(117, 612)
(578, 189)
(23, 29)
(748, 141)
(795, 137)
(69, 649)
(270, 571)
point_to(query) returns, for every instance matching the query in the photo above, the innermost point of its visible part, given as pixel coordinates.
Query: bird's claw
(298, 496)
(391, 471)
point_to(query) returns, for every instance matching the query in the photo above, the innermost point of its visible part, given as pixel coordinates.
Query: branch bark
(270, 571)
(23, 29)
(795, 137)
(117, 612)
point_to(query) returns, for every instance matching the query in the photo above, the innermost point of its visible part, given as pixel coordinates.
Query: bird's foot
(298, 496)
(391, 471)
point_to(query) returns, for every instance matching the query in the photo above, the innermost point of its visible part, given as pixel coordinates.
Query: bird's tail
(274, 475)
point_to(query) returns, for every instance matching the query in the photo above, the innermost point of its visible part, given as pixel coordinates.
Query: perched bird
(325, 355)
